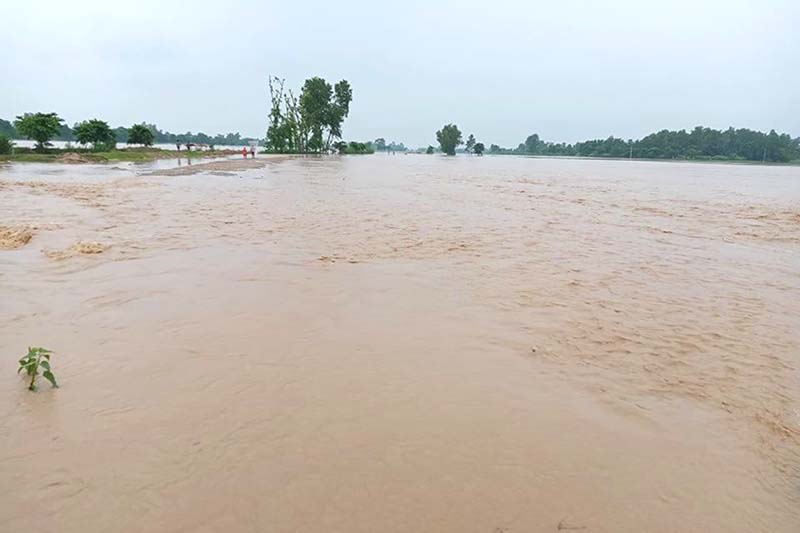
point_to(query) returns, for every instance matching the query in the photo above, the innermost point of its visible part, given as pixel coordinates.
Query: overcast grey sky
(501, 69)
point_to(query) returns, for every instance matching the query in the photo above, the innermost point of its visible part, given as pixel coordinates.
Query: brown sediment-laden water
(408, 343)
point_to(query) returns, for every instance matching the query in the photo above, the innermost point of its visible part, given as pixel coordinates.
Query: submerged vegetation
(354, 148)
(382, 146)
(700, 144)
(30, 363)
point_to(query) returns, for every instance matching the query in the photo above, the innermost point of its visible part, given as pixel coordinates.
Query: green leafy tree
(95, 132)
(495, 149)
(380, 144)
(40, 127)
(470, 143)
(140, 134)
(533, 144)
(430, 150)
(7, 129)
(449, 137)
(315, 100)
(478, 148)
(338, 110)
(6, 146)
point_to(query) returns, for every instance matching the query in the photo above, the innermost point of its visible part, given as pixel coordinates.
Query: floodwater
(403, 343)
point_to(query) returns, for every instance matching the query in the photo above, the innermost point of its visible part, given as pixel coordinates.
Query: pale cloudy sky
(500, 69)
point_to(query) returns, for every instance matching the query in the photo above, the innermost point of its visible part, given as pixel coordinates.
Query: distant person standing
(178, 145)
(244, 152)
(253, 152)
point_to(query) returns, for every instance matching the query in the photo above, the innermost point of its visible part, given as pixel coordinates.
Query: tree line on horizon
(63, 132)
(312, 123)
(701, 143)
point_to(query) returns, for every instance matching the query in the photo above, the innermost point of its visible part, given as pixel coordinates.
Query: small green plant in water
(37, 357)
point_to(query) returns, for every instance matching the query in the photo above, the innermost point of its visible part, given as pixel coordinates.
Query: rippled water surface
(402, 343)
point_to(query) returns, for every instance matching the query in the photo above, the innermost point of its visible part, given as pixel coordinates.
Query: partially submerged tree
(97, 133)
(470, 143)
(449, 138)
(430, 150)
(280, 134)
(311, 122)
(140, 134)
(478, 148)
(315, 111)
(338, 109)
(39, 127)
(353, 148)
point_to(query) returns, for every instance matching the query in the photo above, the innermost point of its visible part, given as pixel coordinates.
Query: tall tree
(279, 133)
(97, 133)
(449, 137)
(315, 100)
(40, 127)
(478, 148)
(470, 143)
(339, 108)
(140, 134)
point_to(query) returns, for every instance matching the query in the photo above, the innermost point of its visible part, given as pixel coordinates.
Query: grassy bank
(136, 155)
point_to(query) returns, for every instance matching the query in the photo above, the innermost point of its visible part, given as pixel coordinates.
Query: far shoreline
(146, 155)
(657, 160)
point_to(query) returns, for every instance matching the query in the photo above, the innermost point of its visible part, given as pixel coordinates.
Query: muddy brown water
(407, 343)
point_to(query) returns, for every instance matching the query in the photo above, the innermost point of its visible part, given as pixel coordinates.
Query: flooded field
(402, 343)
